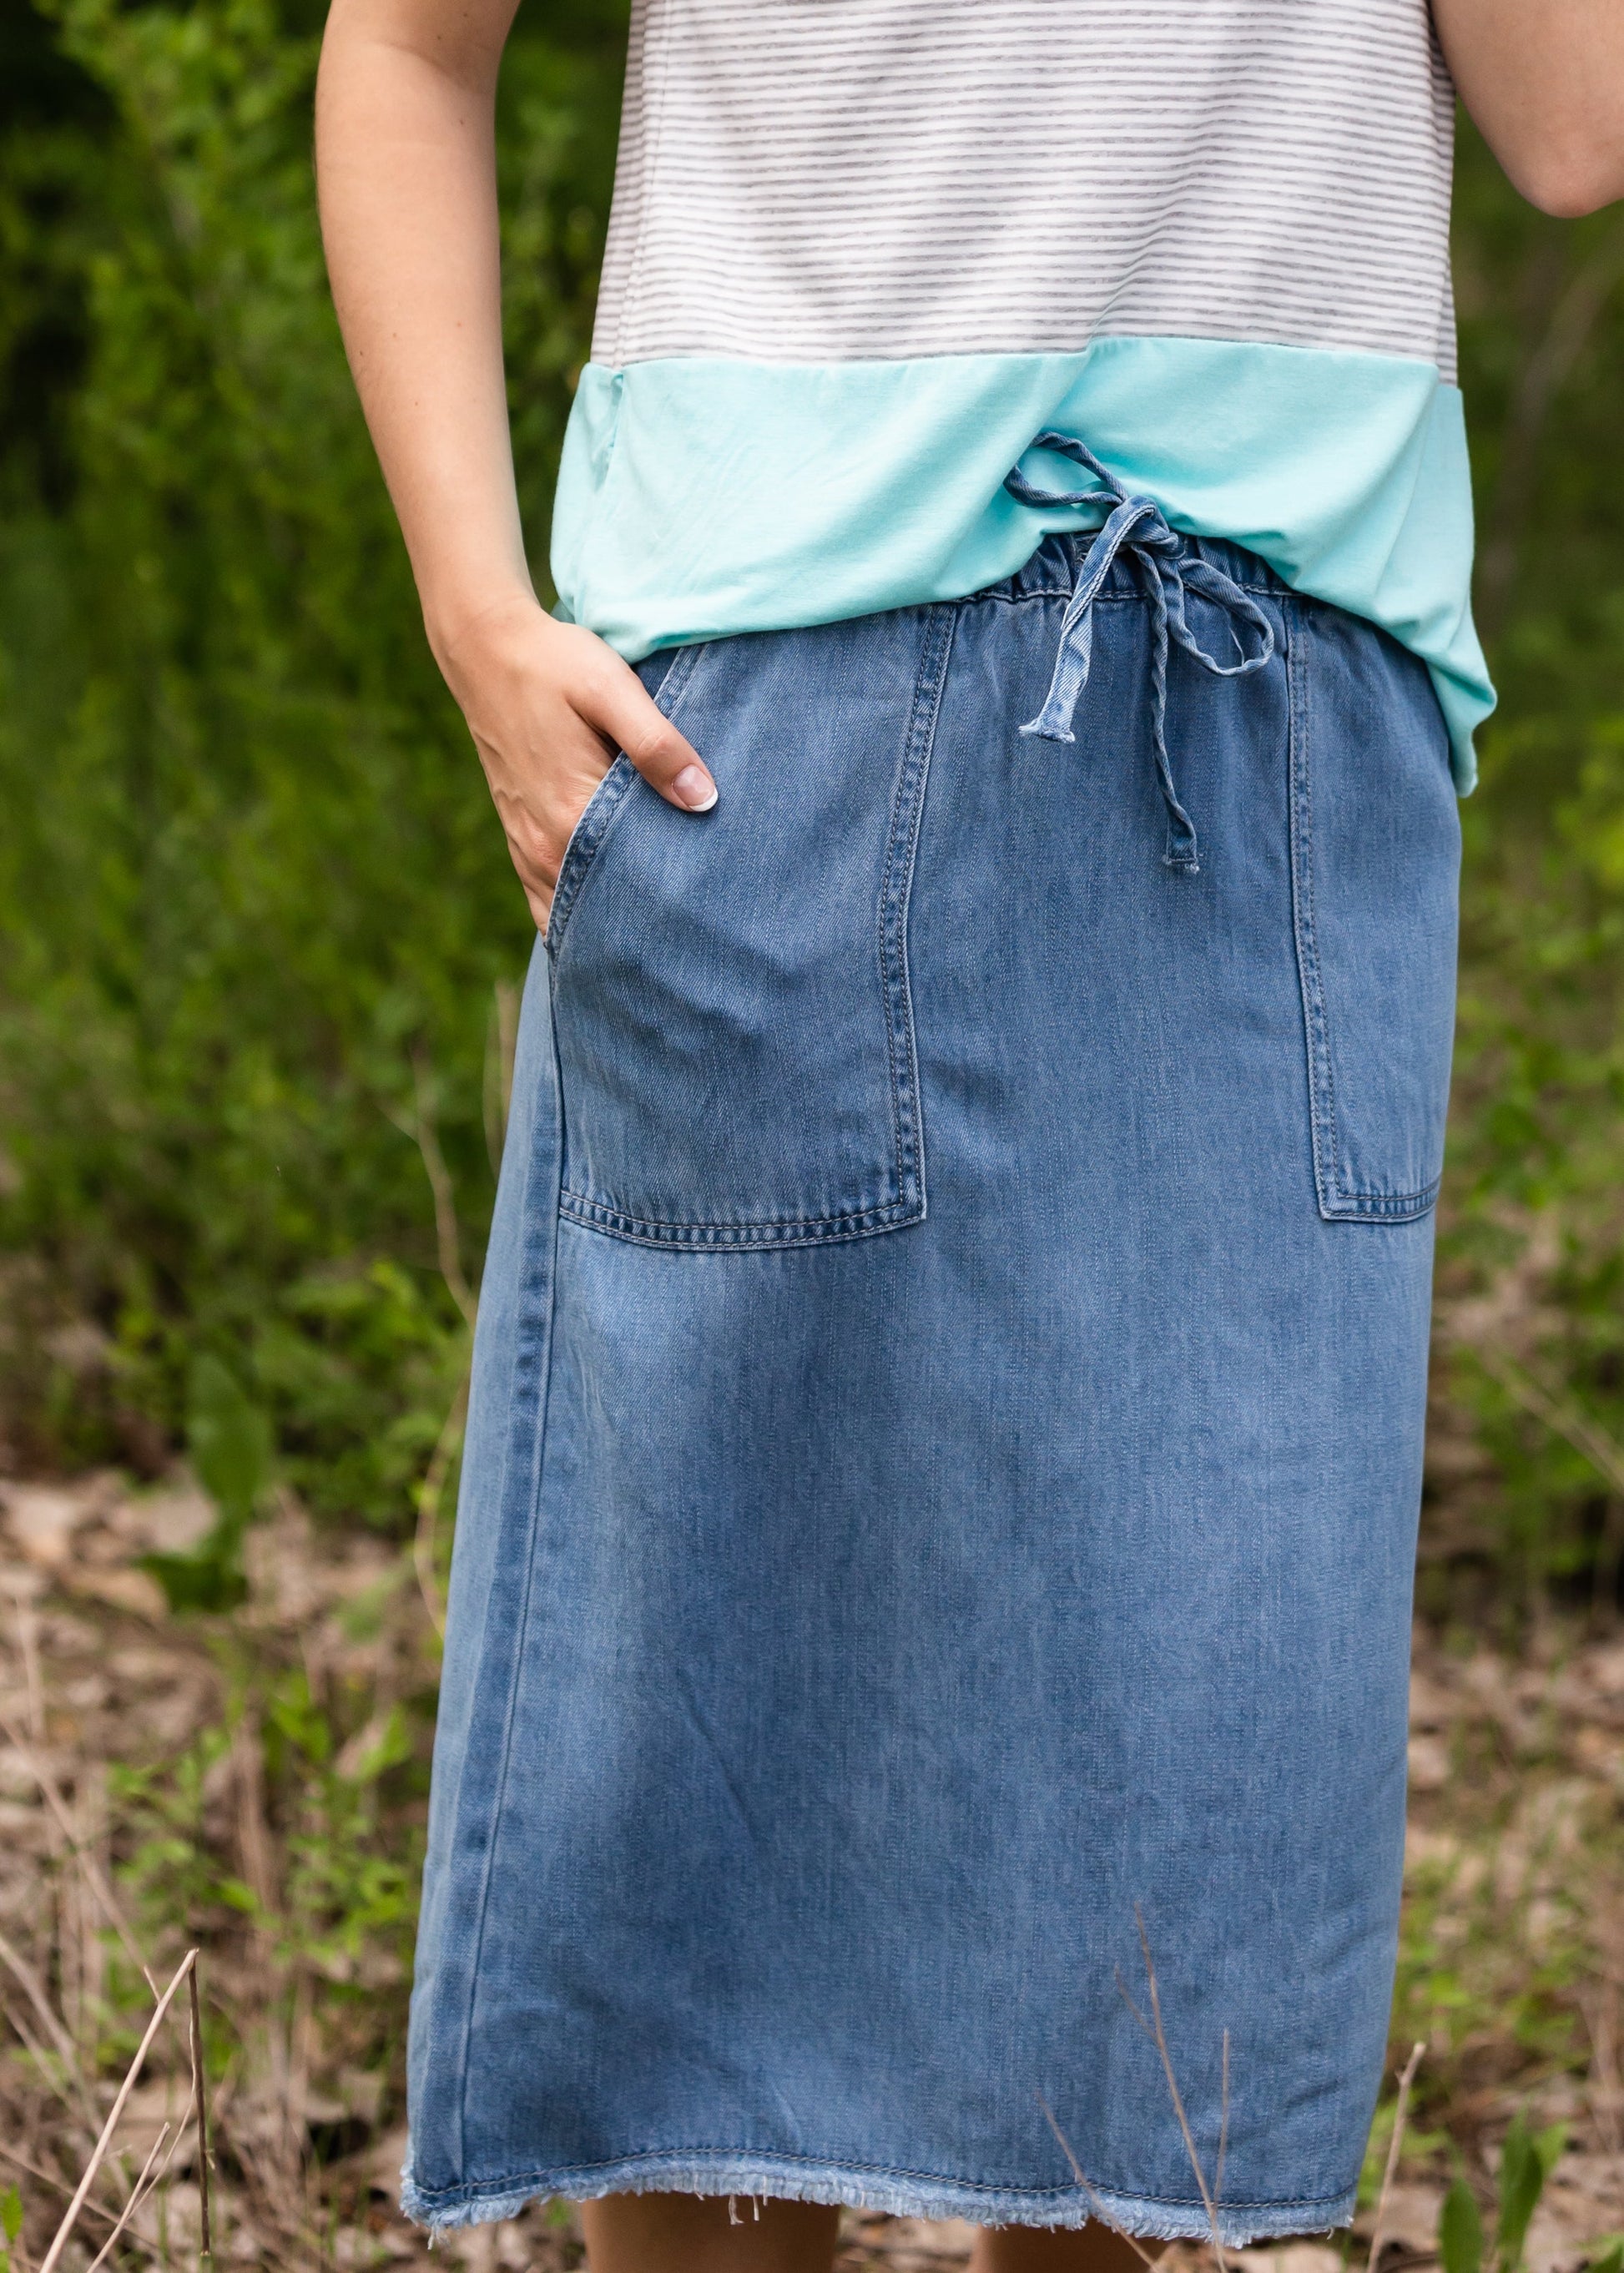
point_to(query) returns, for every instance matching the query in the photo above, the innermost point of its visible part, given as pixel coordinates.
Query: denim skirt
(938, 1514)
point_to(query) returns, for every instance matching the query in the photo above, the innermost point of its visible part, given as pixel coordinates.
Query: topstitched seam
(789, 1224)
(549, 1242)
(897, 999)
(472, 2190)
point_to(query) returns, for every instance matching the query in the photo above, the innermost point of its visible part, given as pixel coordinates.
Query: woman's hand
(548, 705)
(406, 168)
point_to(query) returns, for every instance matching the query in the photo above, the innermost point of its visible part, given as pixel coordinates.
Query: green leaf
(1526, 2162)
(1548, 2145)
(10, 2215)
(1605, 2256)
(1460, 2230)
(389, 1746)
(204, 1581)
(230, 1440)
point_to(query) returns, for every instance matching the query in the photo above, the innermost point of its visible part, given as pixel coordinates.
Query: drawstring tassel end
(1137, 528)
(1047, 728)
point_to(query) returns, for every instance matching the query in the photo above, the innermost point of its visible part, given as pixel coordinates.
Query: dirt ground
(253, 1785)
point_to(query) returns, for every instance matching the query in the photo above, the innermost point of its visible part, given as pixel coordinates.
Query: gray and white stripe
(820, 181)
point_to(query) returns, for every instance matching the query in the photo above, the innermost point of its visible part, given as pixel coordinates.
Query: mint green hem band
(700, 497)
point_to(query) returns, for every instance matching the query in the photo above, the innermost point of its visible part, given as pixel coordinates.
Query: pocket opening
(735, 1019)
(600, 808)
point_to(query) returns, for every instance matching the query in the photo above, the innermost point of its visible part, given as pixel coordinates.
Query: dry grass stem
(1155, 2029)
(430, 1493)
(507, 1041)
(296, 2102)
(244, 1789)
(199, 2104)
(94, 1877)
(419, 1126)
(1559, 1413)
(1094, 2202)
(71, 2217)
(253, 1838)
(28, 1981)
(34, 1682)
(52, 2178)
(90, 1796)
(1395, 2148)
(54, 2083)
(139, 2192)
(1604, 2089)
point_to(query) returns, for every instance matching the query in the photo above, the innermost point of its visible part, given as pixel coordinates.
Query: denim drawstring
(1167, 570)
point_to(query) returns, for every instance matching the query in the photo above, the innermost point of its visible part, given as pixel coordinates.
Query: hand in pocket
(548, 705)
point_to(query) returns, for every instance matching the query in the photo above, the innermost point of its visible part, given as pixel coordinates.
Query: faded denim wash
(945, 1444)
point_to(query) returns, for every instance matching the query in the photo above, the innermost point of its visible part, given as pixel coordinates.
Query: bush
(257, 936)
(254, 908)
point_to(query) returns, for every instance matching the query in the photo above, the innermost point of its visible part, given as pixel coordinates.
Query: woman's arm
(1545, 80)
(405, 159)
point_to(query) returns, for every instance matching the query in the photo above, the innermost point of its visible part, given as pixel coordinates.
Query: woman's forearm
(405, 158)
(404, 148)
(1545, 81)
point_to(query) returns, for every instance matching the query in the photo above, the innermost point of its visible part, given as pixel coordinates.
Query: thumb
(625, 712)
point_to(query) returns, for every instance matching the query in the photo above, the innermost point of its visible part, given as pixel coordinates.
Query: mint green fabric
(701, 497)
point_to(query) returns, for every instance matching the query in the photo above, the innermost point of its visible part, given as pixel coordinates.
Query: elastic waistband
(1052, 571)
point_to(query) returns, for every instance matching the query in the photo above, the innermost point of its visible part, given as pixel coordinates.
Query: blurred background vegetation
(253, 911)
(258, 948)
(257, 928)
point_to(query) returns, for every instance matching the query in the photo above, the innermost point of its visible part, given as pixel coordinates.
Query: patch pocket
(730, 999)
(1375, 857)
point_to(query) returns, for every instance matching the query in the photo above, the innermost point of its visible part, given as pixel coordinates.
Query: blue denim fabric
(946, 1433)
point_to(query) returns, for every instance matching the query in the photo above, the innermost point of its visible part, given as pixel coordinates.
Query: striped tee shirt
(862, 250)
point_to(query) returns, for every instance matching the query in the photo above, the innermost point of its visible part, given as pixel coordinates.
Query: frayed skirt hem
(900, 2193)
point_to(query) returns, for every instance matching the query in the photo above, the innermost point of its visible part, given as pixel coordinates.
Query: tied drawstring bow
(1168, 571)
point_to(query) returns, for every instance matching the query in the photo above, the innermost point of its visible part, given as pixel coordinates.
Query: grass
(253, 1785)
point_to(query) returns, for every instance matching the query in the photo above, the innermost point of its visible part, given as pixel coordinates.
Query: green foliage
(1466, 1965)
(250, 882)
(1527, 2160)
(346, 1882)
(249, 872)
(1531, 1218)
(1460, 2230)
(230, 1440)
(11, 2225)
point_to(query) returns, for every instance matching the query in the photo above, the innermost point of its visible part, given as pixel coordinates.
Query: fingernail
(695, 788)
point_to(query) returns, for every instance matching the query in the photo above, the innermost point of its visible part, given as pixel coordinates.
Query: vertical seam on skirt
(1321, 1096)
(896, 893)
(550, 1219)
